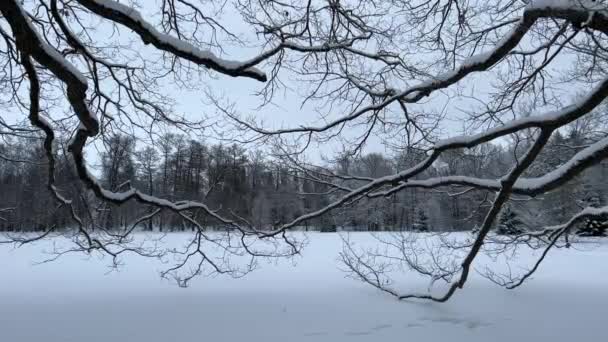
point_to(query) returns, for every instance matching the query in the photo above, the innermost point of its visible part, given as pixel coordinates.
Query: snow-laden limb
(501, 198)
(566, 5)
(32, 47)
(504, 187)
(77, 44)
(594, 16)
(131, 18)
(549, 121)
(553, 234)
(29, 41)
(369, 96)
(589, 156)
(38, 121)
(234, 231)
(84, 241)
(508, 183)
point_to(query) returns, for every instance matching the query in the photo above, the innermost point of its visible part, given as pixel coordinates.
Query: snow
(561, 116)
(174, 42)
(73, 299)
(51, 51)
(566, 4)
(471, 64)
(586, 155)
(523, 185)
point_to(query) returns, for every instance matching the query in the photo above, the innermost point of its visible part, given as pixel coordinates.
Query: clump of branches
(370, 72)
(534, 53)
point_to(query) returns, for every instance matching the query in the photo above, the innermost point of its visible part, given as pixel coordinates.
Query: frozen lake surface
(75, 299)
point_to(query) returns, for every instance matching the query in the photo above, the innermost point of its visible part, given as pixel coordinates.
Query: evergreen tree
(509, 223)
(593, 227)
(421, 221)
(328, 228)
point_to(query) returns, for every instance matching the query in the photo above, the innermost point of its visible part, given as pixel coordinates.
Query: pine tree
(328, 228)
(509, 223)
(593, 227)
(421, 222)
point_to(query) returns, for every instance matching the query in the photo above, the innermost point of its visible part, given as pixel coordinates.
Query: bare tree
(56, 54)
(535, 53)
(371, 72)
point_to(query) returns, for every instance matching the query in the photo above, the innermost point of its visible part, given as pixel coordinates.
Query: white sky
(285, 110)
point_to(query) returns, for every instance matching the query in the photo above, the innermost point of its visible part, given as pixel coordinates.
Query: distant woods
(252, 189)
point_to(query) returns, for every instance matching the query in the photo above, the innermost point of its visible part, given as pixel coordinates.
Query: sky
(285, 110)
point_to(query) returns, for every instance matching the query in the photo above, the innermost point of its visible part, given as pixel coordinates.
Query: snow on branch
(131, 18)
(582, 160)
(549, 121)
(32, 48)
(29, 41)
(554, 234)
(594, 16)
(459, 277)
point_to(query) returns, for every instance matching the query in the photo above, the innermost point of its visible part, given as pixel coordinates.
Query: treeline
(246, 186)
(229, 179)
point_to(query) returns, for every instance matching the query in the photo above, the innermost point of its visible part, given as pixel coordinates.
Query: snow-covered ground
(73, 299)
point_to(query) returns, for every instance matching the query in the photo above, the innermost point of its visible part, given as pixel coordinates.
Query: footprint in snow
(317, 333)
(470, 324)
(382, 327)
(357, 333)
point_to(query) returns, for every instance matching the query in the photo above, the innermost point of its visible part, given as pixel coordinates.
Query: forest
(244, 122)
(251, 186)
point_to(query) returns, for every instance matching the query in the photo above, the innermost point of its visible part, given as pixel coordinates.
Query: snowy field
(74, 299)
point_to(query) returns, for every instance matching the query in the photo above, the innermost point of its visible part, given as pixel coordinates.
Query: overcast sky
(285, 109)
